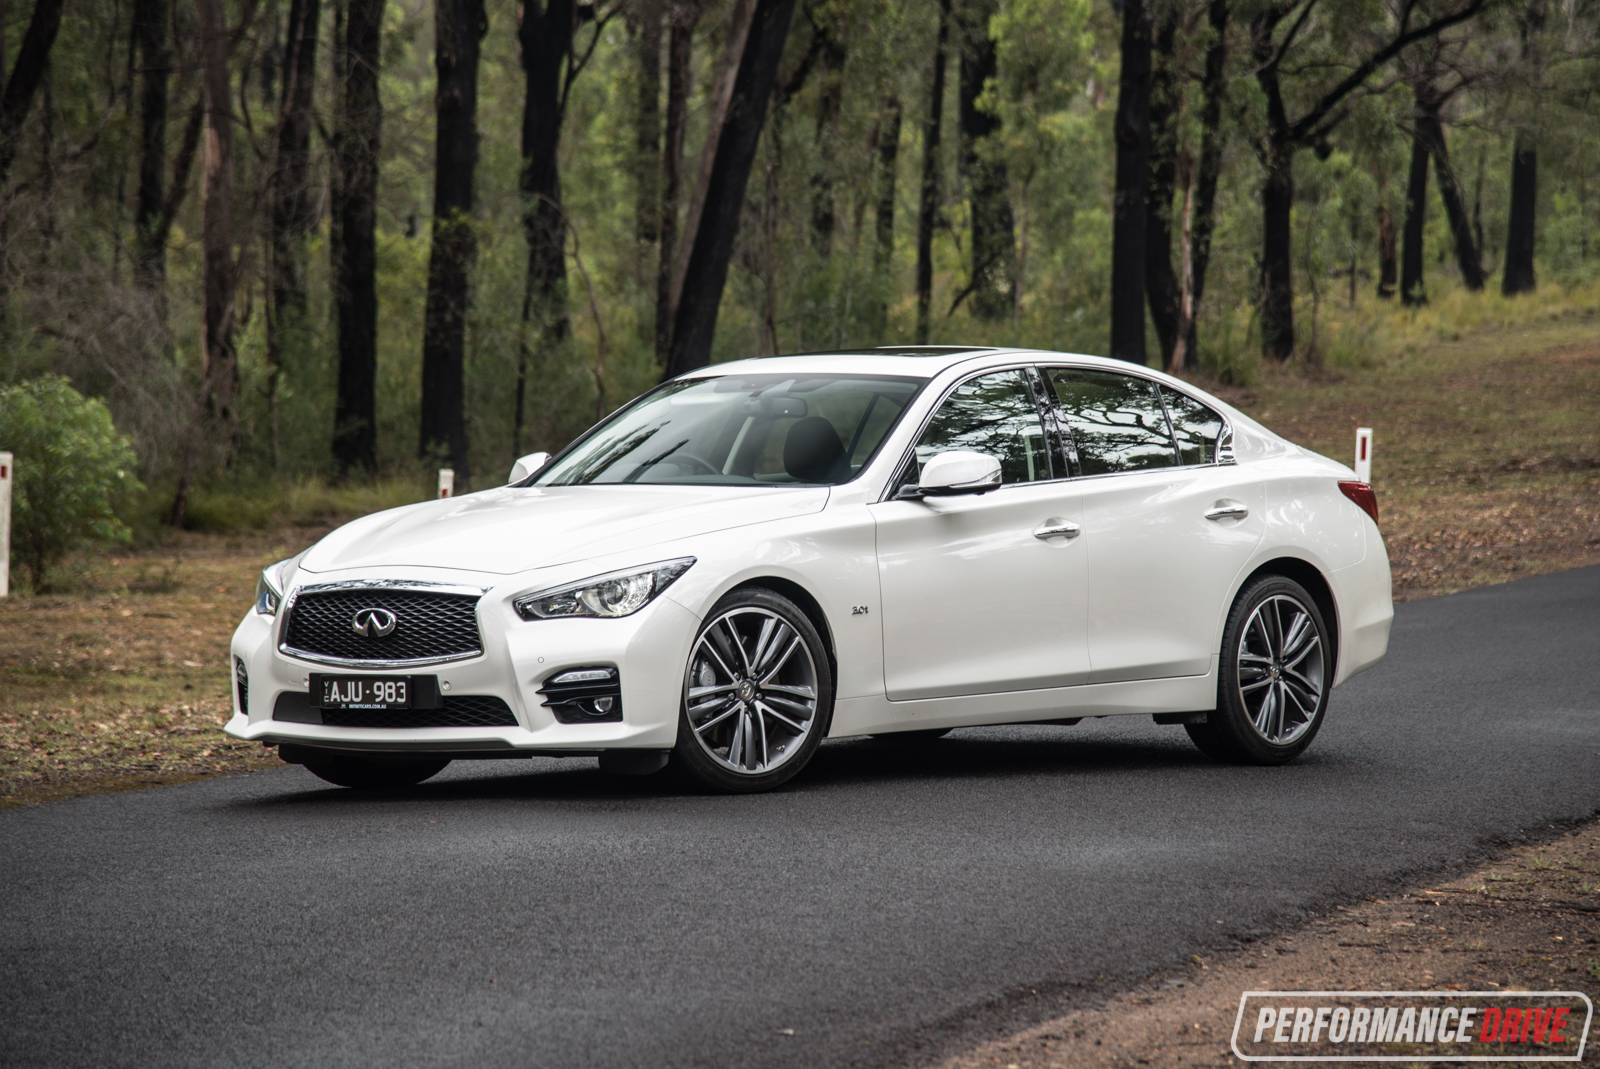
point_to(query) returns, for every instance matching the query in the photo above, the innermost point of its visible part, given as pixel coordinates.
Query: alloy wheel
(1281, 669)
(751, 691)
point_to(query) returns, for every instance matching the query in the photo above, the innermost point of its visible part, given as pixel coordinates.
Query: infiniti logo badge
(374, 623)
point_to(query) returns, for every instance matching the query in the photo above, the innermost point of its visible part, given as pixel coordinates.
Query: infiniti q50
(760, 555)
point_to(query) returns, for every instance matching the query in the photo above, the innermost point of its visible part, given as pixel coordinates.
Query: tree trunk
(883, 252)
(711, 245)
(546, 39)
(1129, 223)
(218, 267)
(1412, 289)
(829, 96)
(1214, 89)
(1277, 273)
(458, 27)
(928, 207)
(644, 22)
(150, 18)
(360, 119)
(1161, 282)
(721, 98)
(1467, 256)
(1520, 224)
(994, 250)
(1276, 284)
(291, 187)
(679, 75)
(1388, 254)
(27, 72)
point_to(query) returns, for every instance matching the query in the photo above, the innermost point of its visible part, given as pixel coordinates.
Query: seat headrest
(812, 452)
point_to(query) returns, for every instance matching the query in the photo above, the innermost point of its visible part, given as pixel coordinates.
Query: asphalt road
(889, 906)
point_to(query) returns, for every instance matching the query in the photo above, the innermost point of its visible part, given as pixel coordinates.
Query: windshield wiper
(633, 476)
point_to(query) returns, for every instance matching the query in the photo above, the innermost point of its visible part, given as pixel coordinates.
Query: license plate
(363, 692)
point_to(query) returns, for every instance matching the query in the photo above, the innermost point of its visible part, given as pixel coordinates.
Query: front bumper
(649, 650)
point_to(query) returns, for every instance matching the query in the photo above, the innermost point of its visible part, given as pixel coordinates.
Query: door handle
(1230, 510)
(1056, 529)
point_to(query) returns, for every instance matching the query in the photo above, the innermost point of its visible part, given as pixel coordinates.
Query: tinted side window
(992, 414)
(1116, 420)
(1195, 425)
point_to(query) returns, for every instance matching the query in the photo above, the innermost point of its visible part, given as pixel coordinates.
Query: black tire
(374, 773)
(738, 740)
(1275, 672)
(914, 737)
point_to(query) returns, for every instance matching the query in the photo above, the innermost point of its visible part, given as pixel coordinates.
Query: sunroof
(901, 350)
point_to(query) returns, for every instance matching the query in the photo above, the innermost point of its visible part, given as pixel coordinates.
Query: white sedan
(759, 555)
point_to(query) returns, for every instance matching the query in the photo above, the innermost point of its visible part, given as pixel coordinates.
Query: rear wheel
(757, 694)
(374, 773)
(1276, 671)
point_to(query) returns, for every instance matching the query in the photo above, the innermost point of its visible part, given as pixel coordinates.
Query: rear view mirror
(959, 471)
(526, 466)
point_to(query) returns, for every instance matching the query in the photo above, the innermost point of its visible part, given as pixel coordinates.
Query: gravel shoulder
(1530, 920)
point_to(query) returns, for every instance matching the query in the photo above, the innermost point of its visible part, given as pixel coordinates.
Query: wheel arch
(1309, 576)
(807, 604)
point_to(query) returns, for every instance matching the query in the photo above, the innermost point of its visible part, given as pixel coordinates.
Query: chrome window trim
(285, 612)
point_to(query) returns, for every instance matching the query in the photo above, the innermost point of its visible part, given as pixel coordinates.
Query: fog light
(591, 695)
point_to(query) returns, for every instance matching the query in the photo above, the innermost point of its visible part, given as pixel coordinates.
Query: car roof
(916, 361)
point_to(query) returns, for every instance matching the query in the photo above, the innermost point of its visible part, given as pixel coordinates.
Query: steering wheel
(678, 458)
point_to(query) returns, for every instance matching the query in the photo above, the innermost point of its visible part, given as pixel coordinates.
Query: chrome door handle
(1233, 511)
(1056, 530)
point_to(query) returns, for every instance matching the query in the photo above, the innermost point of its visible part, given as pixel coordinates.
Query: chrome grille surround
(378, 588)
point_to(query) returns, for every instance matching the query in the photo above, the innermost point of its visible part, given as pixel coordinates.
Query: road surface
(892, 905)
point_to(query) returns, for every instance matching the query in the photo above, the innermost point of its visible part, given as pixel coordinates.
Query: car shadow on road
(857, 763)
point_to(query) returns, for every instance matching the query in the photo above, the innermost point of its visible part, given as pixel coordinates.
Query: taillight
(1362, 495)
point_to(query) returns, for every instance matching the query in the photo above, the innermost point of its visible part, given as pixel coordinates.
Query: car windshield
(739, 430)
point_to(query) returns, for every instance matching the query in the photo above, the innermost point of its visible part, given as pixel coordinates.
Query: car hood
(508, 530)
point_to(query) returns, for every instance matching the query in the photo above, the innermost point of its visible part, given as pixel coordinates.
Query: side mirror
(959, 472)
(526, 466)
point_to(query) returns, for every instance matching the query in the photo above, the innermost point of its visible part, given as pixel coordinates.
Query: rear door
(978, 596)
(1166, 528)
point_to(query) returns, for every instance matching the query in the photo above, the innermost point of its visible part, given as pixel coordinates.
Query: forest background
(353, 241)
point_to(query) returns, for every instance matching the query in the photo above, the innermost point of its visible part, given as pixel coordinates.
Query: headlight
(269, 587)
(614, 594)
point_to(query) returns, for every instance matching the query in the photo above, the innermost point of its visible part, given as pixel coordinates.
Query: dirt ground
(1528, 922)
(127, 685)
(1485, 459)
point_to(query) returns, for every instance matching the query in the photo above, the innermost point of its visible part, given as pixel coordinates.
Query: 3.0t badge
(374, 623)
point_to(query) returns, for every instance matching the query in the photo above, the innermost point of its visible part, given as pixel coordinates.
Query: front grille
(428, 626)
(459, 711)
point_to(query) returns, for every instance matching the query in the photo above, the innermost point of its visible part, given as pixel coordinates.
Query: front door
(985, 593)
(1167, 529)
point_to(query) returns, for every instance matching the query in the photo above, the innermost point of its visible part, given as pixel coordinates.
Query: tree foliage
(73, 469)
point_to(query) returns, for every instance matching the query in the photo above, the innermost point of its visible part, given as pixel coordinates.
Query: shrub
(72, 469)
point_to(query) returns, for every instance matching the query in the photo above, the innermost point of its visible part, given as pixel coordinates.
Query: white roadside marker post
(5, 524)
(1364, 454)
(447, 482)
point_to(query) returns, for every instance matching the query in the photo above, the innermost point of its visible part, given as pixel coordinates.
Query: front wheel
(374, 774)
(757, 694)
(1275, 674)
